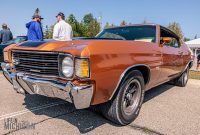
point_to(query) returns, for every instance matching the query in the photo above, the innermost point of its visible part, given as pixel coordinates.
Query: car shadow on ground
(152, 93)
(85, 120)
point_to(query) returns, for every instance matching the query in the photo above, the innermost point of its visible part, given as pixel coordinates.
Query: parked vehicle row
(17, 40)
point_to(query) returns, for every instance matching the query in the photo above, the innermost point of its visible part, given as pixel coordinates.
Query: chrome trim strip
(38, 60)
(21, 65)
(123, 74)
(43, 76)
(39, 52)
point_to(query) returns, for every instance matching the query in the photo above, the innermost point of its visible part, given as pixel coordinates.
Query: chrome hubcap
(132, 97)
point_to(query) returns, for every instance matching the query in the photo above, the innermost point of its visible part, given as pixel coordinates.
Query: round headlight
(67, 67)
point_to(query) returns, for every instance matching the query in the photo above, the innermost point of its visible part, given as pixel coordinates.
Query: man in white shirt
(62, 30)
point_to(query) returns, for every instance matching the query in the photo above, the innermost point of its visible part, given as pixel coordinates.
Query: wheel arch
(190, 64)
(144, 69)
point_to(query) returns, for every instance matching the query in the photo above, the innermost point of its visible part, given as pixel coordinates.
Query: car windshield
(136, 33)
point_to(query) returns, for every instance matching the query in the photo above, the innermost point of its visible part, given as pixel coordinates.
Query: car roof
(146, 24)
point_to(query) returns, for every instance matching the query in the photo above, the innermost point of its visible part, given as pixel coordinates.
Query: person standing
(5, 34)
(34, 27)
(62, 30)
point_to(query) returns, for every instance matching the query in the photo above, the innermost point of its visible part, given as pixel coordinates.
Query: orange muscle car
(110, 72)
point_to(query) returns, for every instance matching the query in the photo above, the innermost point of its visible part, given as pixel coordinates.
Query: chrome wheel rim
(132, 97)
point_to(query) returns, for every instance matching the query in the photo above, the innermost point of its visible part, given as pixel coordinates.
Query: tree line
(89, 26)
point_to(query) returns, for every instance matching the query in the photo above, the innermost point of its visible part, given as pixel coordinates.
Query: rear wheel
(183, 79)
(125, 106)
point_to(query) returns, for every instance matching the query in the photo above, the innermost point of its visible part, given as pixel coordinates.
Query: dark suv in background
(18, 39)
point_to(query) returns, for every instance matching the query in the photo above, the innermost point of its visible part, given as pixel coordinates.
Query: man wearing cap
(62, 30)
(34, 27)
(5, 34)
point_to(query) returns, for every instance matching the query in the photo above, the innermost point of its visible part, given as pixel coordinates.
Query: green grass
(195, 75)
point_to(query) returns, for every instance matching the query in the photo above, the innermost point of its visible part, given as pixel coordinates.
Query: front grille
(42, 63)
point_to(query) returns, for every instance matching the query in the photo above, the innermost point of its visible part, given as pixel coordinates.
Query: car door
(181, 52)
(171, 55)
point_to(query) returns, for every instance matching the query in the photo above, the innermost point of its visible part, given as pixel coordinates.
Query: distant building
(194, 45)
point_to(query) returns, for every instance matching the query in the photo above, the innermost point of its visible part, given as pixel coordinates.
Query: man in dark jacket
(34, 27)
(5, 34)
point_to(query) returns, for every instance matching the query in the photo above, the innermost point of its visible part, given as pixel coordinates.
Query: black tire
(115, 110)
(183, 79)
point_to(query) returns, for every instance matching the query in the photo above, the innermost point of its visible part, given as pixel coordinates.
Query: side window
(174, 40)
(173, 43)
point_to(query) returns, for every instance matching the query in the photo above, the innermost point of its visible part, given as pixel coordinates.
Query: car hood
(74, 47)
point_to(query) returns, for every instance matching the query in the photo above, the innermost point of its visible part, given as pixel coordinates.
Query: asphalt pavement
(167, 110)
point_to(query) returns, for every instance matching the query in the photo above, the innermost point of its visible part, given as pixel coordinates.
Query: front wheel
(125, 106)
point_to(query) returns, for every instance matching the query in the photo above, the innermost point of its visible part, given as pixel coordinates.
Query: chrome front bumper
(81, 96)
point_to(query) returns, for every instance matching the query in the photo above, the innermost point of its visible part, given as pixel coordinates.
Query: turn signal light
(5, 55)
(82, 67)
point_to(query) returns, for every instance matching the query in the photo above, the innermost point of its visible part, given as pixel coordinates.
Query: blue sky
(187, 13)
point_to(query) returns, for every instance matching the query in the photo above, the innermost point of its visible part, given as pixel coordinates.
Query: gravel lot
(166, 110)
